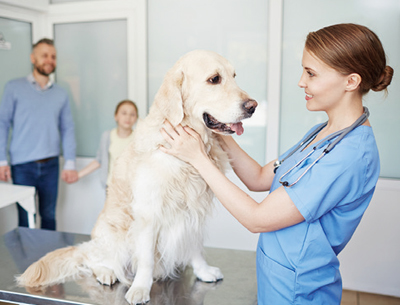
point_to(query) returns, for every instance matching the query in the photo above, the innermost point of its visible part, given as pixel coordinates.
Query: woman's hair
(129, 102)
(352, 48)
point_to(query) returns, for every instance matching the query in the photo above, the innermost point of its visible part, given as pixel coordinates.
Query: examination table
(22, 246)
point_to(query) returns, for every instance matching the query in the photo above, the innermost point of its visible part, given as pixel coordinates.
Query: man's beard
(41, 71)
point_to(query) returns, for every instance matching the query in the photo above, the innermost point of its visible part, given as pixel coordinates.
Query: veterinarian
(316, 198)
(38, 113)
(113, 142)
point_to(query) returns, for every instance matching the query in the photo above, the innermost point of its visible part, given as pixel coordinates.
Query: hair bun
(384, 80)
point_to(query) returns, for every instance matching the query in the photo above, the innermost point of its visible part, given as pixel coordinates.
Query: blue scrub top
(298, 264)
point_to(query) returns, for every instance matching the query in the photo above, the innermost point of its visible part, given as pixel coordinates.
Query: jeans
(44, 177)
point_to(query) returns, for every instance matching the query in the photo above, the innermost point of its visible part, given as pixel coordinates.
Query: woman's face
(324, 86)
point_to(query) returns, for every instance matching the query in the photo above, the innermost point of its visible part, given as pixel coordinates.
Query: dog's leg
(203, 271)
(139, 292)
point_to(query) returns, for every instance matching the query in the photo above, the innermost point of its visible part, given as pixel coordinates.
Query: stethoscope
(339, 134)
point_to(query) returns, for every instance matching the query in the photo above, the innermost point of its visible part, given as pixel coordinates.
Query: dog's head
(200, 90)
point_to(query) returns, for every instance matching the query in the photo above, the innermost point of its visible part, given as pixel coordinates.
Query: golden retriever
(156, 205)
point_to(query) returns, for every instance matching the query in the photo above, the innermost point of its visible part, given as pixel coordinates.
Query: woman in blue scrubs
(312, 209)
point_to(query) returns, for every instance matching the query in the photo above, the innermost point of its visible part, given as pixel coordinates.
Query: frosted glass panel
(92, 67)
(235, 29)
(15, 50)
(383, 17)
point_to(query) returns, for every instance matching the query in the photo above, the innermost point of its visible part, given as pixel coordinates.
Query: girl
(317, 194)
(113, 141)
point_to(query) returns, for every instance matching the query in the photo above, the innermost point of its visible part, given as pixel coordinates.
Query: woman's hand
(186, 144)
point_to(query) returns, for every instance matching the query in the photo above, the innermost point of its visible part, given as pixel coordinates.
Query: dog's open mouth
(227, 128)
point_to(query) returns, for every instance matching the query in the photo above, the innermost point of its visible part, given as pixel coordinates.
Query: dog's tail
(55, 267)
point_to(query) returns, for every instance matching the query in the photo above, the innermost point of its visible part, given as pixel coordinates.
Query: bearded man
(37, 113)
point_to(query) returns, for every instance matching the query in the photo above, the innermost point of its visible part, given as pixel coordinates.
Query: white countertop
(24, 195)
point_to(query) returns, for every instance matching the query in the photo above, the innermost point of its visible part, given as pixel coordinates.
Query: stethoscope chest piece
(277, 163)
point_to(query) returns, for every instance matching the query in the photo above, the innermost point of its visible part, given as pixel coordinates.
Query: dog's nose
(250, 106)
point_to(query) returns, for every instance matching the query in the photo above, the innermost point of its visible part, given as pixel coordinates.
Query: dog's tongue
(238, 128)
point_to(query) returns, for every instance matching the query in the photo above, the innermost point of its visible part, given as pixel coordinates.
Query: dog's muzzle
(229, 128)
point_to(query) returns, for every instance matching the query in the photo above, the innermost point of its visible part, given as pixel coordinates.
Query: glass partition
(380, 16)
(15, 50)
(92, 67)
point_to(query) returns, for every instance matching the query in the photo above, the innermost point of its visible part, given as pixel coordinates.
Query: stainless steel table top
(22, 246)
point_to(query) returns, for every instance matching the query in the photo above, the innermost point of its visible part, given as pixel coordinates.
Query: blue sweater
(40, 120)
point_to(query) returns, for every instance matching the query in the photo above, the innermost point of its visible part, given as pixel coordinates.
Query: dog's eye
(215, 80)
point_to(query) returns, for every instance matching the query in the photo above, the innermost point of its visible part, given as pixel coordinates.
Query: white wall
(371, 260)
(8, 218)
(36, 5)
(79, 204)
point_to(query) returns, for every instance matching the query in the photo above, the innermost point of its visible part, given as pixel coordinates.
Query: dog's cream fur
(152, 221)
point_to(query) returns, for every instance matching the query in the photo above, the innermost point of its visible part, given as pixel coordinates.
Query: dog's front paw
(105, 276)
(137, 295)
(107, 280)
(209, 274)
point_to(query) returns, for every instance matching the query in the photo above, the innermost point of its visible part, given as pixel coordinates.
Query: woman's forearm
(235, 200)
(91, 167)
(252, 174)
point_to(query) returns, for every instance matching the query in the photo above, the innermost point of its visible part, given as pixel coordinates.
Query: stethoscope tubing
(339, 136)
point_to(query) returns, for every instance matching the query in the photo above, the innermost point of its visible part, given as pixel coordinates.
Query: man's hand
(5, 173)
(69, 176)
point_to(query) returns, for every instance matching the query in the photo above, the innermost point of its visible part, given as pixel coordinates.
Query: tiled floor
(363, 298)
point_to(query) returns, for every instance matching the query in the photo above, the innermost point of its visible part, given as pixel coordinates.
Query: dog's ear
(169, 99)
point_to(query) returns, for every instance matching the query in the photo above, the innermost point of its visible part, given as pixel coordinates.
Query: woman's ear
(353, 82)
